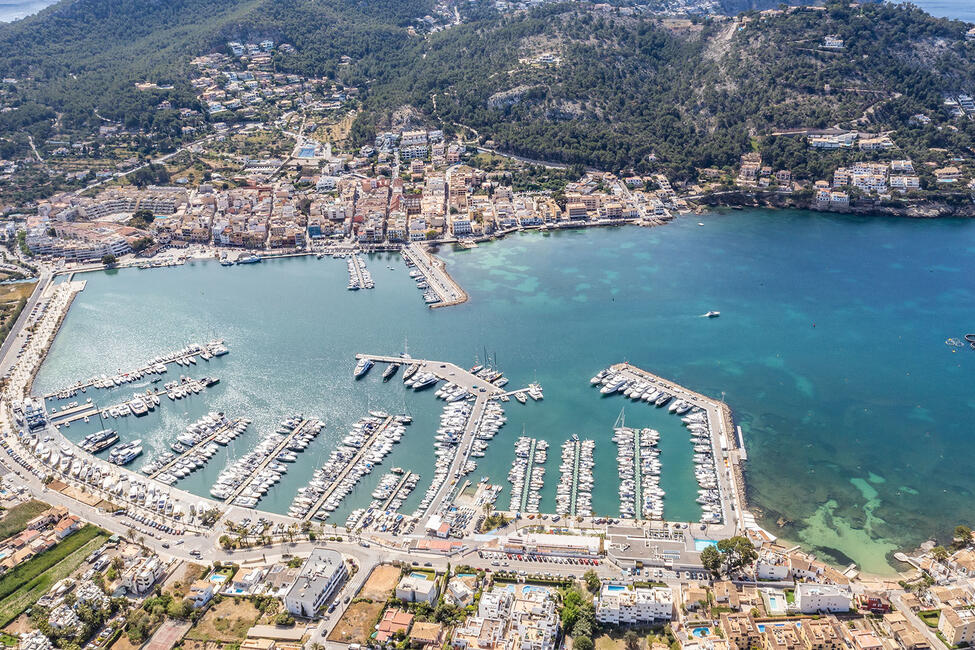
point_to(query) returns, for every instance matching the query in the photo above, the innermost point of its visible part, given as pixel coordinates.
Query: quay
(460, 458)
(348, 467)
(435, 273)
(267, 461)
(399, 486)
(727, 455)
(205, 441)
(445, 371)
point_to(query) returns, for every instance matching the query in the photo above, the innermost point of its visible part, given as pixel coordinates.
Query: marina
(574, 493)
(367, 443)
(245, 481)
(712, 437)
(527, 475)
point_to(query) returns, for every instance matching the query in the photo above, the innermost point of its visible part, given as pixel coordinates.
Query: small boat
(712, 314)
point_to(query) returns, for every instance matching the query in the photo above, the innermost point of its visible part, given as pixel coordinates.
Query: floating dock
(197, 447)
(395, 492)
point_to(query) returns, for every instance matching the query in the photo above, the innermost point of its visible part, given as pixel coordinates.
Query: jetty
(87, 410)
(396, 490)
(206, 440)
(184, 357)
(304, 424)
(348, 467)
(444, 288)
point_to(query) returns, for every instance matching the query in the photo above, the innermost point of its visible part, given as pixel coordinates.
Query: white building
(772, 566)
(140, 577)
(417, 590)
(623, 605)
(812, 598)
(320, 575)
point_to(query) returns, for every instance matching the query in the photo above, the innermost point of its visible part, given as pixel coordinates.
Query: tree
(631, 641)
(939, 553)
(582, 643)
(592, 581)
(108, 259)
(711, 560)
(737, 552)
(284, 618)
(963, 536)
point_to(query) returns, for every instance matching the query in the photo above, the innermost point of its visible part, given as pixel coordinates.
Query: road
(11, 345)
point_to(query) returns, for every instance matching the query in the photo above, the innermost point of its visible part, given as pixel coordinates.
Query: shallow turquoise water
(830, 350)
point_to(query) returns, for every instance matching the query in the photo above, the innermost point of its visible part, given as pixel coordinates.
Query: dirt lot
(20, 624)
(356, 625)
(123, 643)
(381, 581)
(227, 621)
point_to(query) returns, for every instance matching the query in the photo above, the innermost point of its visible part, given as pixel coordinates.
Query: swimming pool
(701, 544)
(615, 588)
(700, 632)
(218, 577)
(306, 152)
(421, 576)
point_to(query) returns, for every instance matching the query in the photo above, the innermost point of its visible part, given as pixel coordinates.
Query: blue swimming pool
(700, 632)
(701, 544)
(615, 588)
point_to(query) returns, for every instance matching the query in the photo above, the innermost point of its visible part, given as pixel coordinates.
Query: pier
(89, 409)
(348, 467)
(637, 475)
(182, 357)
(435, 273)
(399, 486)
(270, 457)
(359, 277)
(195, 448)
(528, 475)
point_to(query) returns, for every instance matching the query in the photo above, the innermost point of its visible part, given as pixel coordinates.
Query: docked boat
(391, 370)
(249, 259)
(99, 441)
(362, 367)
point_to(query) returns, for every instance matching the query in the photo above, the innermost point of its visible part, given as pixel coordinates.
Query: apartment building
(619, 605)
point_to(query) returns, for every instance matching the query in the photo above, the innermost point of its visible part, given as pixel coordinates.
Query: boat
(99, 441)
(362, 367)
(390, 371)
(250, 259)
(226, 262)
(712, 314)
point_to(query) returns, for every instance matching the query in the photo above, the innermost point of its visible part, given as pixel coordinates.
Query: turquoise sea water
(830, 350)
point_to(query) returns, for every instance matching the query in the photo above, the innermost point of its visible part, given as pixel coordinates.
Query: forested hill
(572, 82)
(88, 54)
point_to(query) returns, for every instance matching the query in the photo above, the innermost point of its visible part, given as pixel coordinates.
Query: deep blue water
(830, 350)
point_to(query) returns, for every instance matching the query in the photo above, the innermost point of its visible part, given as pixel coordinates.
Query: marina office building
(320, 576)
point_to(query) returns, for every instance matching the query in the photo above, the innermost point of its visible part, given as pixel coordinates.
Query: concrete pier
(435, 272)
(399, 486)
